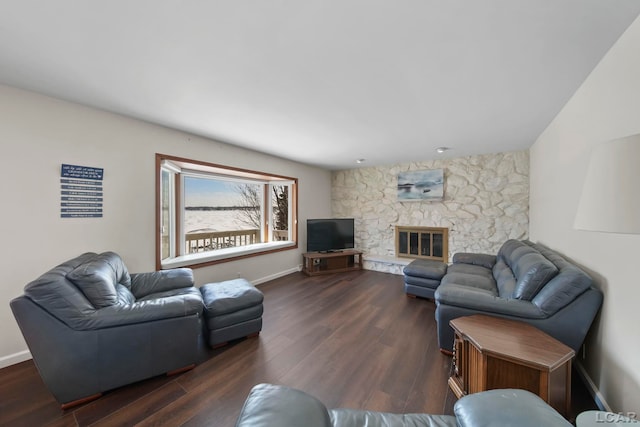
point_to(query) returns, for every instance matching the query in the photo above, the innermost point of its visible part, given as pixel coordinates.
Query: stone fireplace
(486, 202)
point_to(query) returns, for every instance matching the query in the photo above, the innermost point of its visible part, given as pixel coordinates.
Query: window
(210, 213)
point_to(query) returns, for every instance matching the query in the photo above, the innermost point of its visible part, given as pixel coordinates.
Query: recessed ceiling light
(360, 161)
(441, 150)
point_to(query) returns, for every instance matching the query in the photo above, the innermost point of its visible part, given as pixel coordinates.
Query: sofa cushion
(472, 300)
(357, 418)
(565, 287)
(273, 405)
(505, 280)
(472, 281)
(145, 284)
(98, 277)
(505, 252)
(484, 260)
(470, 269)
(506, 407)
(532, 271)
(562, 289)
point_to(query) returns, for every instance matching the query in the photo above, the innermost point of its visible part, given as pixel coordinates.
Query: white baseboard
(598, 398)
(12, 359)
(275, 276)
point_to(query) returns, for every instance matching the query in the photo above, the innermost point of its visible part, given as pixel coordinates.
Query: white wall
(38, 134)
(606, 106)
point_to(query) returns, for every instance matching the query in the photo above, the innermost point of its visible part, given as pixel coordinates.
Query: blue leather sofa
(524, 281)
(273, 405)
(92, 327)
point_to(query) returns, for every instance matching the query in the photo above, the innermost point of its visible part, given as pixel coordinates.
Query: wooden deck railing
(212, 240)
(280, 235)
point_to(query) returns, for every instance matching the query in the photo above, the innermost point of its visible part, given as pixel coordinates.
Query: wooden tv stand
(491, 353)
(314, 263)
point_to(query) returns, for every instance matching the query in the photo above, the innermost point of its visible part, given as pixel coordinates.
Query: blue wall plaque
(81, 193)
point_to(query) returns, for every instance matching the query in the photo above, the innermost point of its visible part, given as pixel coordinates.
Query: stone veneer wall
(486, 201)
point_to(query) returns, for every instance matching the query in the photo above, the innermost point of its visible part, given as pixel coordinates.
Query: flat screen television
(330, 235)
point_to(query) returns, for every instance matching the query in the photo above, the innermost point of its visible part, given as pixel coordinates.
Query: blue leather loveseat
(525, 281)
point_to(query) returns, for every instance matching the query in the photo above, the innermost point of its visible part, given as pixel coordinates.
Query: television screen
(330, 234)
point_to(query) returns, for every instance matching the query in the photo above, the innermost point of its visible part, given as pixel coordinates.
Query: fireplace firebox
(422, 242)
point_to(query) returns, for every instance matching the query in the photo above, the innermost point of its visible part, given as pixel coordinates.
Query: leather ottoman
(232, 309)
(422, 277)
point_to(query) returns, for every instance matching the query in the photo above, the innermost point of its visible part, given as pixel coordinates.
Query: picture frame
(421, 185)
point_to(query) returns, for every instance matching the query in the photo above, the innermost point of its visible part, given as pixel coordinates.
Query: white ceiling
(323, 82)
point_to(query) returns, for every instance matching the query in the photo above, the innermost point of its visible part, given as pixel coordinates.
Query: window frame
(191, 167)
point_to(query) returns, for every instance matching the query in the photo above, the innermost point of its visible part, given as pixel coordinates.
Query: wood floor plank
(24, 398)
(113, 401)
(360, 391)
(67, 420)
(141, 409)
(352, 340)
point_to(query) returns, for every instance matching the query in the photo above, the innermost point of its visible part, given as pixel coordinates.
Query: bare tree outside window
(249, 214)
(281, 207)
(280, 203)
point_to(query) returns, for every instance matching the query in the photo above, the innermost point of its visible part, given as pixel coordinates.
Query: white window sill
(220, 254)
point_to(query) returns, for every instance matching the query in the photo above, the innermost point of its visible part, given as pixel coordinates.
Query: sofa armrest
(506, 407)
(143, 284)
(483, 300)
(484, 260)
(272, 405)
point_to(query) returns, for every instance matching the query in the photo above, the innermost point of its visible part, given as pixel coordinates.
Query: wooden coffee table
(491, 352)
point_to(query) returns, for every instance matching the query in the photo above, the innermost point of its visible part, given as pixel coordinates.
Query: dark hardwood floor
(352, 340)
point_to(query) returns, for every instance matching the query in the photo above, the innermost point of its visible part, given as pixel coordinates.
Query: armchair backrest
(76, 288)
(98, 278)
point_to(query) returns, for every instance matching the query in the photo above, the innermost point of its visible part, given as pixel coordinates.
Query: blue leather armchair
(92, 327)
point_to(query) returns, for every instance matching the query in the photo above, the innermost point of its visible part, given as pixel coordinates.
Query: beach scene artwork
(423, 185)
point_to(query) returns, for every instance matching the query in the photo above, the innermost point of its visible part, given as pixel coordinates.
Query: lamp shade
(610, 199)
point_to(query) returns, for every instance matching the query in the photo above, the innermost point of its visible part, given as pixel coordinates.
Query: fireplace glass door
(422, 242)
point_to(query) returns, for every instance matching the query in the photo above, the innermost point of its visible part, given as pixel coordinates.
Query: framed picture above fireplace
(422, 185)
